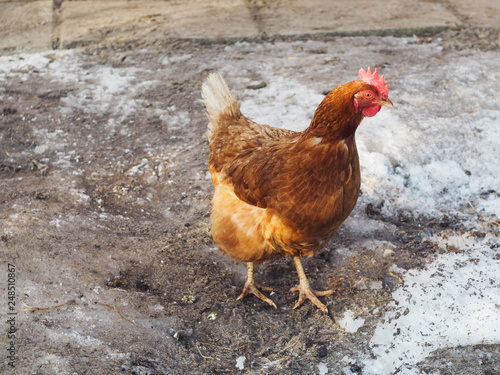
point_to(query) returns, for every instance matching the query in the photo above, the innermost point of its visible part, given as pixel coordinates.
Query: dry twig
(31, 308)
(118, 312)
(204, 356)
(218, 347)
(483, 215)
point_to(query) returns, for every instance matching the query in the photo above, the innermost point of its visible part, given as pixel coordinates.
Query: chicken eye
(368, 95)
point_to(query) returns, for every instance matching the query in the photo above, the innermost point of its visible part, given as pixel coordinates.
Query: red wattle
(371, 110)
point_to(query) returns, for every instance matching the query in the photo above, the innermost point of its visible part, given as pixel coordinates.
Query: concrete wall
(46, 24)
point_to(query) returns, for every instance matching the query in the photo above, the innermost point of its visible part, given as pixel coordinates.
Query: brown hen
(280, 192)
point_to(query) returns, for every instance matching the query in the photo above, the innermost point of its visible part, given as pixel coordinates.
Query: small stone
(189, 298)
(212, 316)
(257, 86)
(180, 335)
(322, 351)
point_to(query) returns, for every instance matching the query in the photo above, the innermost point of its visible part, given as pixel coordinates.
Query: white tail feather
(218, 100)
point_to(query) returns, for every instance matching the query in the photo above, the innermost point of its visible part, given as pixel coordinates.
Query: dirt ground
(107, 223)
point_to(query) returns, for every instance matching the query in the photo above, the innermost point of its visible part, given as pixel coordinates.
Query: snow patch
(453, 302)
(240, 362)
(322, 368)
(349, 324)
(282, 103)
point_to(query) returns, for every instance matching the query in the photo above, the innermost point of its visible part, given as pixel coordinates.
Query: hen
(280, 192)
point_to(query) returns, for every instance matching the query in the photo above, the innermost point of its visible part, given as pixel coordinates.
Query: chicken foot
(305, 290)
(251, 287)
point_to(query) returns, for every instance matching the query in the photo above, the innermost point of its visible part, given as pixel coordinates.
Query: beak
(386, 102)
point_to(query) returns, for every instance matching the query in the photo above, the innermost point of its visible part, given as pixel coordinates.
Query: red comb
(374, 80)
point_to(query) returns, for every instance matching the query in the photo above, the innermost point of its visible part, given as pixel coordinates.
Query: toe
(263, 288)
(310, 294)
(251, 288)
(322, 293)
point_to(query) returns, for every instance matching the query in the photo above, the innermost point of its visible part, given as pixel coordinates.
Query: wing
(303, 183)
(233, 139)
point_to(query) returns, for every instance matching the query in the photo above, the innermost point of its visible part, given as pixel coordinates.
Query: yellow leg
(305, 290)
(251, 287)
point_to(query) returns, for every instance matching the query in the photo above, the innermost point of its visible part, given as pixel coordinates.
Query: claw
(305, 292)
(251, 287)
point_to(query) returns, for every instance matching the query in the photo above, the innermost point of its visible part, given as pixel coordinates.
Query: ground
(104, 207)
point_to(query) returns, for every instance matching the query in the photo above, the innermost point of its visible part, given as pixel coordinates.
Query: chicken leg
(251, 287)
(305, 290)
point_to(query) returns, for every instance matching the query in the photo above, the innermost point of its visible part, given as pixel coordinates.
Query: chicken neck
(336, 117)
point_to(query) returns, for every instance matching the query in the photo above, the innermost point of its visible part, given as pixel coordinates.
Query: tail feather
(218, 100)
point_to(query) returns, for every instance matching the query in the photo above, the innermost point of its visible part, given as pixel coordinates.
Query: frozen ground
(105, 198)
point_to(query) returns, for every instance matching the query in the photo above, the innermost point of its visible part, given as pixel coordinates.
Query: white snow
(349, 324)
(14, 65)
(102, 88)
(453, 302)
(322, 368)
(280, 105)
(240, 362)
